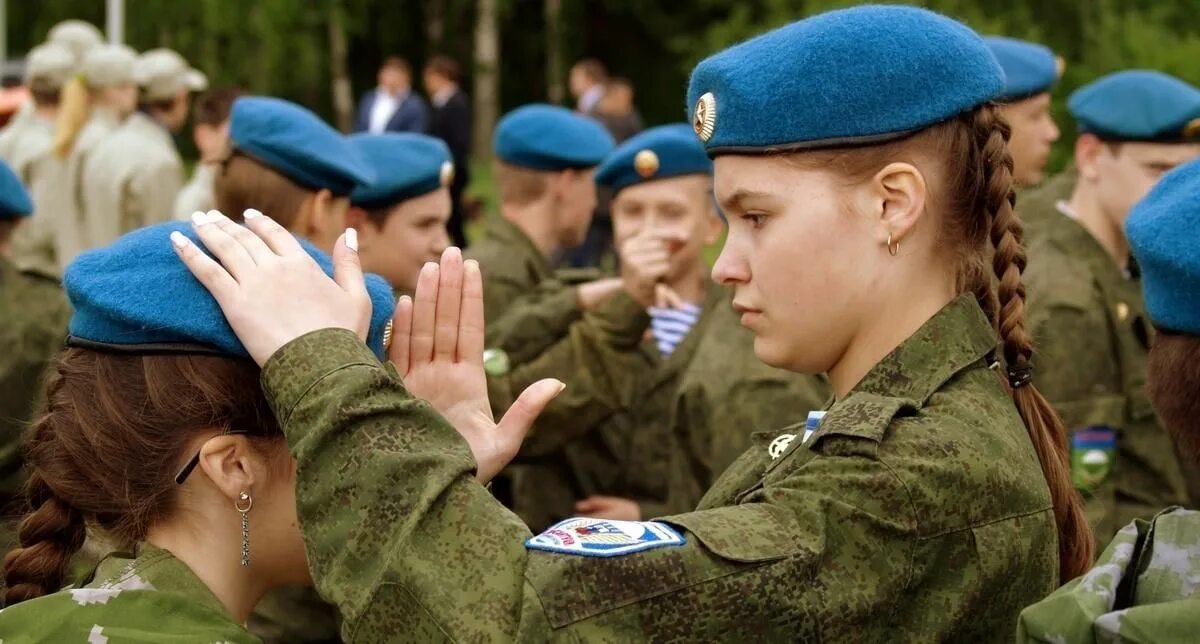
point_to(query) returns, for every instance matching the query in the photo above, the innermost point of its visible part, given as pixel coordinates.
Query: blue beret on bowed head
(405, 164)
(549, 137)
(14, 199)
(1163, 236)
(854, 76)
(1029, 68)
(296, 143)
(1138, 105)
(137, 296)
(657, 153)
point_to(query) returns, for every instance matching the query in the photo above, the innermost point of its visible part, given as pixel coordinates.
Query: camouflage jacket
(1145, 588)
(1092, 337)
(151, 598)
(690, 416)
(35, 312)
(1037, 205)
(917, 512)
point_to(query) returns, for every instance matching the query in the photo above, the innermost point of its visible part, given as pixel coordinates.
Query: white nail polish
(351, 239)
(214, 216)
(251, 213)
(199, 218)
(178, 239)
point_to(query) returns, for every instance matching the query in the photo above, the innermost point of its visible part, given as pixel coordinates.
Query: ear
(1088, 148)
(713, 224)
(896, 195)
(232, 464)
(322, 215)
(560, 185)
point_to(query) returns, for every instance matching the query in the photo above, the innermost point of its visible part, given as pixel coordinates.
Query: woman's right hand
(437, 347)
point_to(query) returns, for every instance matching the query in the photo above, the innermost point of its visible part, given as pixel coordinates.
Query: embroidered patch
(1092, 450)
(605, 537)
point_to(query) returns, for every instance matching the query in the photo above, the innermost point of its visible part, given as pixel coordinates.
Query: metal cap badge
(704, 121)
(446, 174)
(646, 163)
(1192, 129)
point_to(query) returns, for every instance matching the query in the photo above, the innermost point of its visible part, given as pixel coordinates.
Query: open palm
(437, 347)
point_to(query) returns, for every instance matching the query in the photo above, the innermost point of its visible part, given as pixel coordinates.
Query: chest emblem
(780, 445)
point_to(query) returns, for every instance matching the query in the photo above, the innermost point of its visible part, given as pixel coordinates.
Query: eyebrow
(734, 201)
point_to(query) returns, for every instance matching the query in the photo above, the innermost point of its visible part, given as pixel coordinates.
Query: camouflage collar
(955, 338)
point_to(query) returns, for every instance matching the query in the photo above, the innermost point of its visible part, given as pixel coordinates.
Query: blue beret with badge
(405, 164)
(1163, 236)
(550, 138)
(1138, 105)
(657, 153)
(296, 143)
(14, 198)
(1029, 68)
(137, 296)
(849, 77)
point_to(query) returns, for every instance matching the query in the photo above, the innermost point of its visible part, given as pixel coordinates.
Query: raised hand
(437, 347)
(268, 286)
(645, 262)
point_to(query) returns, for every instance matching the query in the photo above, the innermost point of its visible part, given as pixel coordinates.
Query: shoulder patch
(1092, 452)
(605, 537)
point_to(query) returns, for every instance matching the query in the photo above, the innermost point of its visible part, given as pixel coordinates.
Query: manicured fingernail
(199, 218)
(179, 240)
(404, 299)
(471, 265)
(215, 215)
(561, 386)
(251, 213)
(351, 239)
(429, 267)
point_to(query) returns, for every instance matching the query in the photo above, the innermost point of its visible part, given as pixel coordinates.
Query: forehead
(686, 189)
(1164, 153)
(1032, 104)
(741, 177)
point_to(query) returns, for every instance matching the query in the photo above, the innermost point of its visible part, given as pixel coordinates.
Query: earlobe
(900, 197)
(1087, 147)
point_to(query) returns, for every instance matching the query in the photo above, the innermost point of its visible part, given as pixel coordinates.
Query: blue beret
(853, 76)
(406, 165)
(1138, 105)
(297, 143)
(1029, 69)
(548, 137)
(136, 295)
(658, 153)
(14, 199)
(1163, 236)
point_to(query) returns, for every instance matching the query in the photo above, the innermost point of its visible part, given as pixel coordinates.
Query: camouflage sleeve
(1072, 359)
(532, 321)
(597, 359)
(403, 540)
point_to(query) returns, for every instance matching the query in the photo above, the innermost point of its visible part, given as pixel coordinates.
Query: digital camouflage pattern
(26, 146)
(1144, 589)
(35, 313)
(153, 598)
(528, 305)
(690, 416)
(1092, 338)
(917, 512)
(1036, 205)
(123, 191)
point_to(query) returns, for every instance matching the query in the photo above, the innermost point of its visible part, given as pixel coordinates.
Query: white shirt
(590, 98)
(382, 109)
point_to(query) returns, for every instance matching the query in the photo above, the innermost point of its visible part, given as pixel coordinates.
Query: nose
(731, 267)
(1053, 131)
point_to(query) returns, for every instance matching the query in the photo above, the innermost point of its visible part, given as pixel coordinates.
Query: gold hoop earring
(243, 505)
(893, 249)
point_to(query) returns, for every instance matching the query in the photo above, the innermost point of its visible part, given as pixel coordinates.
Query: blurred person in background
(210, 131)
(392, 106)
(451, 123)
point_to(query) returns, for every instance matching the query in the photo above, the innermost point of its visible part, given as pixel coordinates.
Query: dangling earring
(893, 249)
(243, 505)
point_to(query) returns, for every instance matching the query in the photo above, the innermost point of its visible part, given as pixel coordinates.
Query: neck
(537, 222)
(692, 285)
(883, 333)
(1091, 216)
(216, 560)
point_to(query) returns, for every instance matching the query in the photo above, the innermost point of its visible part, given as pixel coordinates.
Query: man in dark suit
(451, 123)
(392, 106)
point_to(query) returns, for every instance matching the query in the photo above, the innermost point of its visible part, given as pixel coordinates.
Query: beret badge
(1192, 129)
(704, 120)
(446, 174)
(646, 163)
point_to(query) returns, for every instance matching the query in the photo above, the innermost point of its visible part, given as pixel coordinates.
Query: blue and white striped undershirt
(671, 326)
